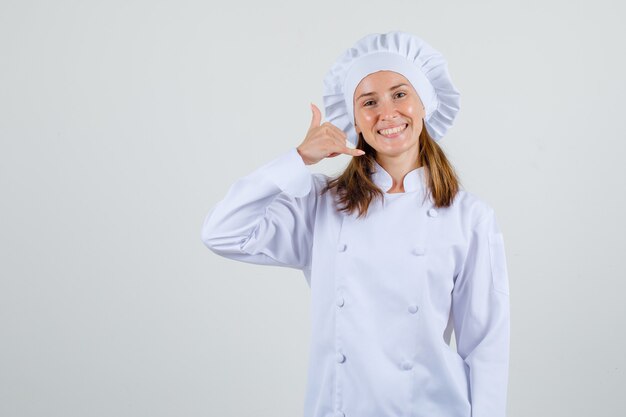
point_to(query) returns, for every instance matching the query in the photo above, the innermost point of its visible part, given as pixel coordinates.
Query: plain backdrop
(123, 122)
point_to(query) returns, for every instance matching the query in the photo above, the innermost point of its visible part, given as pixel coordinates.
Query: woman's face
(387, 100)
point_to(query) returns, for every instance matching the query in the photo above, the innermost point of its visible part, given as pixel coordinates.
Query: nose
(388, 110)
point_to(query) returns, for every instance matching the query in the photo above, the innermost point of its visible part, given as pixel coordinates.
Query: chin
(395, 149)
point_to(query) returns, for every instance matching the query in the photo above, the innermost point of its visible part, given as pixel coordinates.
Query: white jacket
(386, 290)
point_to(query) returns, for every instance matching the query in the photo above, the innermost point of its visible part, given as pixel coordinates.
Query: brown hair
(355, 188)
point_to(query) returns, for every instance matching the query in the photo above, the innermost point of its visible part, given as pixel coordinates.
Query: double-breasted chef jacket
(386, 290)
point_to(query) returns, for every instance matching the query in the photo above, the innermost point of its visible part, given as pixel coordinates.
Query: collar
(413, 180)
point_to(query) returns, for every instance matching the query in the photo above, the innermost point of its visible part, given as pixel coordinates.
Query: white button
(406, 365)
(418, 250)
(341, 357)
(340, 301)
(413, 309)
(432, 212)
(342, 247)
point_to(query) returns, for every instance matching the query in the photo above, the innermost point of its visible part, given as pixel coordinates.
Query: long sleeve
(481, 312)
(266, 217)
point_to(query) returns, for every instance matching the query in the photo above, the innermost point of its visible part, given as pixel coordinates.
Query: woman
(395, 253)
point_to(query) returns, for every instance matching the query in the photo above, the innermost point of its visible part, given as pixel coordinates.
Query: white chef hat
(397, 51)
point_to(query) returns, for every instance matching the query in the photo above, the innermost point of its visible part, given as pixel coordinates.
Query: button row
(418, 250)
(412, 308)
(341, 247)
(406, 365)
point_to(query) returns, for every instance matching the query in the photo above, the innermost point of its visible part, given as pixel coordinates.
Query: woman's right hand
(324, 141)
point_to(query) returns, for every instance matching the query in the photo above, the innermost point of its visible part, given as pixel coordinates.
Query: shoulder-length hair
(355, 189)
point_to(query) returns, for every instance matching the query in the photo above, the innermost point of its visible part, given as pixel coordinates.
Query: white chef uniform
(386, 290)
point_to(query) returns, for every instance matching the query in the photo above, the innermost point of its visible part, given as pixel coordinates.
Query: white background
(123, 122)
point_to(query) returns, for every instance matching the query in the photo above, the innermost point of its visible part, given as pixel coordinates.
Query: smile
(392, 133)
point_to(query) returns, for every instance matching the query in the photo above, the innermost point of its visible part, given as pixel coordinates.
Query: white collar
(413, 180)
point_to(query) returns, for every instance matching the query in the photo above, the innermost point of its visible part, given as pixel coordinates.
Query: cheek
(416, 109)
(364, 119)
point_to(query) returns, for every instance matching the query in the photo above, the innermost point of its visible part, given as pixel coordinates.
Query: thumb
(317, 116)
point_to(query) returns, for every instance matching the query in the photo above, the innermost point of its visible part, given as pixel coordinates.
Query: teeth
(387, 132)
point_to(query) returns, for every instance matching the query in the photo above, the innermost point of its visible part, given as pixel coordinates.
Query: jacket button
(340, 301)
(341, 357)
(342, 247)
(406, 365)
(432, 212)
(418, 250)
(413, 309)
(339, 414)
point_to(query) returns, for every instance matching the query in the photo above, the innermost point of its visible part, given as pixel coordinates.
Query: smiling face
(389, 113)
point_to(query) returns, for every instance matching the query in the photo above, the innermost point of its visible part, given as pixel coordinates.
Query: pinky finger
(353, 151)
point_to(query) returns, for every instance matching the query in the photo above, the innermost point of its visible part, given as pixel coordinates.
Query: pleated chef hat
(397, 51)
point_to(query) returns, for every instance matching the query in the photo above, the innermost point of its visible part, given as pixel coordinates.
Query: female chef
(396, 254)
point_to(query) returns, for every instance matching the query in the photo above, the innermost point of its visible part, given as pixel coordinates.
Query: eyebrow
(372, 93)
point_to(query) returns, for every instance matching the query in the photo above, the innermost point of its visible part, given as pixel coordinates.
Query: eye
(368, 101)
(401, 92)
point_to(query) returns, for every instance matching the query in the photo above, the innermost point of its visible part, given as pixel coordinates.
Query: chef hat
(397, 51)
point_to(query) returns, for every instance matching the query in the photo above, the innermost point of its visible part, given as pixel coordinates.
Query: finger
(354, 152)
(344, 146)
(316, 117)
(347, 151)
(336, 133)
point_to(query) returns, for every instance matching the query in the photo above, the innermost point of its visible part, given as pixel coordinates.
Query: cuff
(289, 173)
